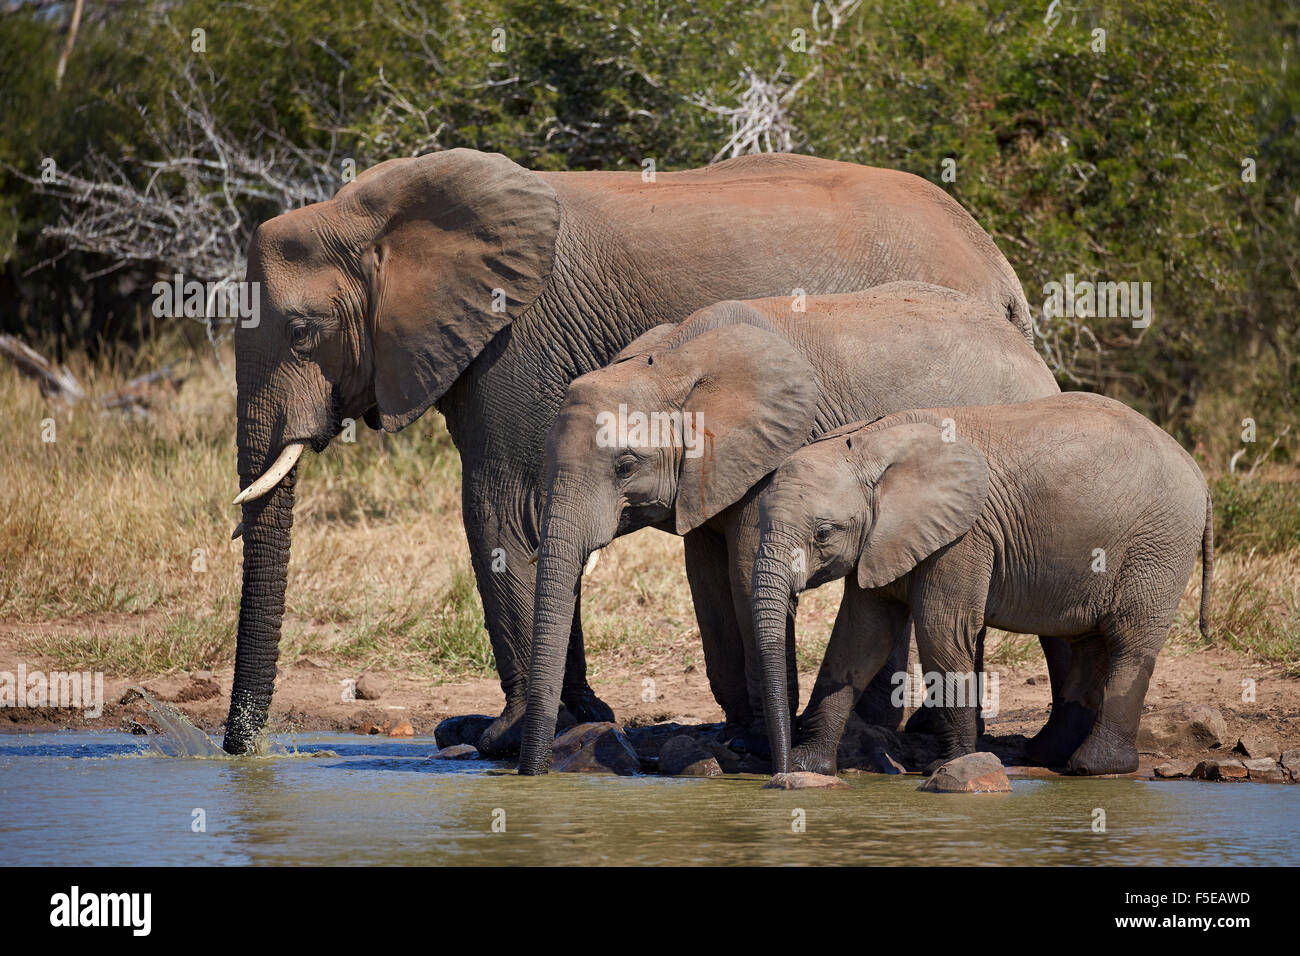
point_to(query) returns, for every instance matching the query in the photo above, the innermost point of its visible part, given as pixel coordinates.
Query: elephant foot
(927, 720)
(748, 740)
(1103, 753)
(813, 760)
(924, 720)
(585, 707)
(1063, 734)
(502, 737)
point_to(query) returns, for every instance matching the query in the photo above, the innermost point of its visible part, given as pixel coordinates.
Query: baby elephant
(1071, 516)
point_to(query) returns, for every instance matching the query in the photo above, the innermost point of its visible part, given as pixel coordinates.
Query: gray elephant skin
(755, 380)
(1070, 516)
(462, 280)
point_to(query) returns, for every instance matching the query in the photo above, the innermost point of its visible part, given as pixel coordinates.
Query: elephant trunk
(566, 543)
(267, 523)
(773, 585)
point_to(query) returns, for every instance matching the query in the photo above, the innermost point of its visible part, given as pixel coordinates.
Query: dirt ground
(309, 694)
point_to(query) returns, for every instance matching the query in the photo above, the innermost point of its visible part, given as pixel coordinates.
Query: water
(73, 797)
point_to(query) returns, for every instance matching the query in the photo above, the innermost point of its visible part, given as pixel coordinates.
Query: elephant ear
(928, 493)
(753, 397)
(456, 245)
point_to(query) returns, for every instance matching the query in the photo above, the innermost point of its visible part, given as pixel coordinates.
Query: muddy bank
(310, 696)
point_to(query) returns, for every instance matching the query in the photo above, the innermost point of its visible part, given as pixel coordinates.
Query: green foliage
(1121, 162)
(1256, 516)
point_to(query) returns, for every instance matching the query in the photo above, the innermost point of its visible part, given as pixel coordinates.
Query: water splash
(177, 737)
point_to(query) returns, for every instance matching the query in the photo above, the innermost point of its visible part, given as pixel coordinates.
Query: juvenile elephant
(680, 431)
(1070, 516)
(464, 280)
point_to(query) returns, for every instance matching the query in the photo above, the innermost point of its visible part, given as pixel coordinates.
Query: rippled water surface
(80, 797)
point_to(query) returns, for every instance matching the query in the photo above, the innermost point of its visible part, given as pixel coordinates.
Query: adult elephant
(462, 279)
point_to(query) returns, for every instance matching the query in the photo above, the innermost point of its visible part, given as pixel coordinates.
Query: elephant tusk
(239, 531)
(282, 466)
(532, 558)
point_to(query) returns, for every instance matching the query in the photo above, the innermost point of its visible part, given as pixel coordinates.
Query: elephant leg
(879, 705)
(946, 640)
(724, 651)
(1111, 744)
(864, 641)
(1059, 656)
(924, 720)
(1074, 701)
(576, 694)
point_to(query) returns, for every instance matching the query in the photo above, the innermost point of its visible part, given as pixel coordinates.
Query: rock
(1172, 769)
(1182, 730)
(465, 729)
(456, 752)
(682, 756)
(325, 753)
(801, 780)
(647, 740)
(1291, 760)
(879, 761)
(1227, 770)
(1264, 770)
(368, 727)
(403, 728)
(727, 759)
(1257, 745)
(972, 773)
(369, 687)
(594, 748)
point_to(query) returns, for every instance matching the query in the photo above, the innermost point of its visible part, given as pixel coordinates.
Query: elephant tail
(1207, 565)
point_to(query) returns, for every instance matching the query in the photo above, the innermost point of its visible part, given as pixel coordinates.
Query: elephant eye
(823, 533)
(299, 334)
(626, 465)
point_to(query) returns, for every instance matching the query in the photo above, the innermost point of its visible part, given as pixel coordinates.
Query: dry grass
(101, 534)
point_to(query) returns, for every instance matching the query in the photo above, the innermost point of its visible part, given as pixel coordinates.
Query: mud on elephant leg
(1075, 702)
(867, 634)
(925, 720)
(1066, 723)
(1111, 744)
